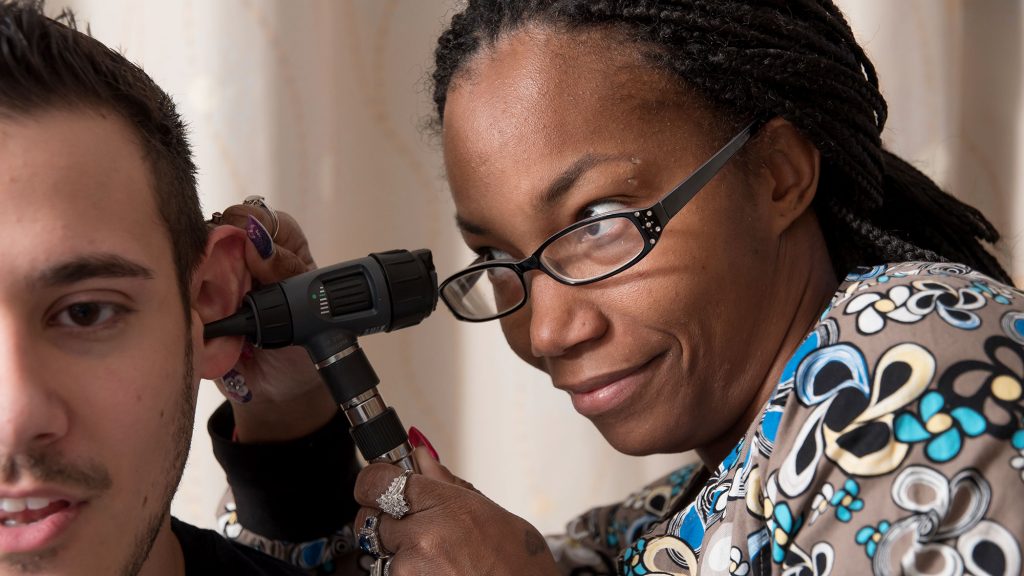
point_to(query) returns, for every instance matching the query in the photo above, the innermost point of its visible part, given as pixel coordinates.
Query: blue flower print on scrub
(783, 526)
(846, 501)
(631, 560)
(870, 536)
(999, 296)
(942, 430)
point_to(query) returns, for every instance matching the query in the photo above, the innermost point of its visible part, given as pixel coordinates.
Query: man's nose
(32, 412)
(561, 317)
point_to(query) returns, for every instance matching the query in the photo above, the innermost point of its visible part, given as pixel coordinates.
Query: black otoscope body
(324, 311)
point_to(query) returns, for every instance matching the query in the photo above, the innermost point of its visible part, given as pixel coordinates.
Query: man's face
(96, 386)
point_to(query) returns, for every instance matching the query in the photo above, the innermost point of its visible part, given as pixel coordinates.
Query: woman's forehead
(522, 108)
(540, 66)
(531, 91)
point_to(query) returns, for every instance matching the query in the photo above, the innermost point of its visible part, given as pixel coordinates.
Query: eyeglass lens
(585, 253)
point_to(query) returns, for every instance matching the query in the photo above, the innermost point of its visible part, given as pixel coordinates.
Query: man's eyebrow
(552, 194)
(86, 267)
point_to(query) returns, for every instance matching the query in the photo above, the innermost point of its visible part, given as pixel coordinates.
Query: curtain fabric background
(318, 105)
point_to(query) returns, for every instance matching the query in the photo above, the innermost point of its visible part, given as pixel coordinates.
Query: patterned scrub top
(892, 444)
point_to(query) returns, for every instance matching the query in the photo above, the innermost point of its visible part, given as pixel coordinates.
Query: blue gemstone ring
(369, 539)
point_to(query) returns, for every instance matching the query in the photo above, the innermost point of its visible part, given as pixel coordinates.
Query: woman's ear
(219, 284)
(793, 166)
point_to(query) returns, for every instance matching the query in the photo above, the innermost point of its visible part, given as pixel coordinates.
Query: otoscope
(324, 311)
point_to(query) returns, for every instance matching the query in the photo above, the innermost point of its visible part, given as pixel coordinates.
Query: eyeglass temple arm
(674, 201)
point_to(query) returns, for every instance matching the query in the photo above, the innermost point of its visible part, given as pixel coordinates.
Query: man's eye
(87, 314)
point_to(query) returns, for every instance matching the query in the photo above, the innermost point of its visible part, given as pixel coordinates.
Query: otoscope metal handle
(375, 427)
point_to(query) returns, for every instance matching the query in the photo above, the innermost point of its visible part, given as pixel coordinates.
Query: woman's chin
(632, 441)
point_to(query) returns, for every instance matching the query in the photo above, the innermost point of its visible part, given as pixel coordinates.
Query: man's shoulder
(207, 552)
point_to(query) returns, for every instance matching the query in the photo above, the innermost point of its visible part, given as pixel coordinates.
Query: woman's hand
(451, 528)
(276, 395)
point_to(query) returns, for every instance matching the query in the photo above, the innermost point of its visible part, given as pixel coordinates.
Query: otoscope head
(324, 308)
(324, 311)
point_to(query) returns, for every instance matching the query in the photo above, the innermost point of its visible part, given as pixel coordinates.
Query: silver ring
(369, 538)
(392, 500)
(261, 202)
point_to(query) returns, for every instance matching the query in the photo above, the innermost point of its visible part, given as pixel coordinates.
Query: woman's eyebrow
(89, 266)
(568, 178)
(554, 191)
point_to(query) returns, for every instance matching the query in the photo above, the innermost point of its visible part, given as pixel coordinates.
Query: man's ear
(219, 284)
(793, 165)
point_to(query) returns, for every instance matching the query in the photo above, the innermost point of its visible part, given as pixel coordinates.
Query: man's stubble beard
(95, 477)
(182, 434)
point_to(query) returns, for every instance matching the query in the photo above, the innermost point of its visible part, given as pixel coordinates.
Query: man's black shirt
(210, 554)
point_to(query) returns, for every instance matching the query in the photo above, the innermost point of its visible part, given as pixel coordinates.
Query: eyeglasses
(587, 251)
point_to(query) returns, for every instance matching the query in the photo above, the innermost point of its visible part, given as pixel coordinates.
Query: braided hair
(795, 59)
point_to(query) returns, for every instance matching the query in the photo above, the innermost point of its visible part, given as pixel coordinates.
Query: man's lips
(15, 511)
(30, 523)
(596, 395)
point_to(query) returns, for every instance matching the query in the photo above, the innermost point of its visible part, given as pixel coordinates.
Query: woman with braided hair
(836, 425)
(684, 215)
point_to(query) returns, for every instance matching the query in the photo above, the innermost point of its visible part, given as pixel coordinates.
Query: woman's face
(547, 128)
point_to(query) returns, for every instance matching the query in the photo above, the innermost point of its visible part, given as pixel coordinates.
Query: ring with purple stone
(369, 539)
(261, 202)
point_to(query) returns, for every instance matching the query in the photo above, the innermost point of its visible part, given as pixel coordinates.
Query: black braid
(797, 59)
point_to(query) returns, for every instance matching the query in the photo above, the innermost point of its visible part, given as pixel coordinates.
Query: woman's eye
(599, 208)
(87, 315)
(599, 228)
(602, 227)
(491, 254)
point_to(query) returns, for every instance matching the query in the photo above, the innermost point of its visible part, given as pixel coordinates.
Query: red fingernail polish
(417, 439)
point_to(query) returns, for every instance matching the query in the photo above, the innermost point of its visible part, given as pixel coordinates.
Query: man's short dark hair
(48, 64)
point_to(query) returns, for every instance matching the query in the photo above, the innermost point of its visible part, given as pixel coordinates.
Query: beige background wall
(316, 105)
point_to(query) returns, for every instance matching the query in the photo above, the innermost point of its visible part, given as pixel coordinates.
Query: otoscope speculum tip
(241, 323)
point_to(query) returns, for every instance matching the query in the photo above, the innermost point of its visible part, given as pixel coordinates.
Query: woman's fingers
(449, 529)
(375, 479)
(431, 468)
(271, 259)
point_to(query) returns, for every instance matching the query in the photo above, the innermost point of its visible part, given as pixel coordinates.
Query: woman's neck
(803, 284)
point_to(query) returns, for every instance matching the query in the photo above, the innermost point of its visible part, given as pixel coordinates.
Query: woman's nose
(562, 317)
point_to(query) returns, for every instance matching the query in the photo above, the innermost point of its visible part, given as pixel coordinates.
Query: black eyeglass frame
(649, 221)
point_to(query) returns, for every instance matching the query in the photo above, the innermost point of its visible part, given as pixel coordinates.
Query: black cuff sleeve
(294, 491)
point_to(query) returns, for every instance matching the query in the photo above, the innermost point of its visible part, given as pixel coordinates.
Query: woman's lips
(602, 394)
